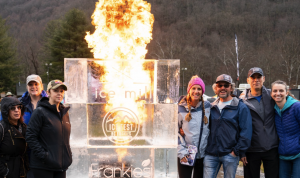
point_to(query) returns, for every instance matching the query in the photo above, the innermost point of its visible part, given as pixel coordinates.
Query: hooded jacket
(264, 136)
(26, 101)
(231, 130)
(287, 122)
(192, 129)
(48, 136)
(13, 157)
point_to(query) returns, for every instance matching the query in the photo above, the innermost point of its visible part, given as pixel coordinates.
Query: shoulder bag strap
(201, 130)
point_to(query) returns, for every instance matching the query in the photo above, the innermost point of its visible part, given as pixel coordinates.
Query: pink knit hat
(195, 80)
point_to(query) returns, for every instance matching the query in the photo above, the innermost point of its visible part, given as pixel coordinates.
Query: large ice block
(123, 127)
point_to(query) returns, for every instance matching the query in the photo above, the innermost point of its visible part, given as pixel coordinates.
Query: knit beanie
(195, 80)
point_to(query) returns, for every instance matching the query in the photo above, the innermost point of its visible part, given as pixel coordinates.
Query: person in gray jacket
(193, 114)
(264, 143)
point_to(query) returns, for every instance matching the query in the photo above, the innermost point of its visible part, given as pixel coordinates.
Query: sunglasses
(19, 107)
(225, 85)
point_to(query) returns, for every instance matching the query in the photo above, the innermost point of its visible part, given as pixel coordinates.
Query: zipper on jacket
(11, 137)
(62, 130)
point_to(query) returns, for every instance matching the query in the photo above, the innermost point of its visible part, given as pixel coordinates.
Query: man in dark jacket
(230, 130)
(264, 144)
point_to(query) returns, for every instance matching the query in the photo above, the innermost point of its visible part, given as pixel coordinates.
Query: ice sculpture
(117, 140)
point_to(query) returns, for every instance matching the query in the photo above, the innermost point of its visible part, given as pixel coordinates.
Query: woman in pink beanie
(193, 114)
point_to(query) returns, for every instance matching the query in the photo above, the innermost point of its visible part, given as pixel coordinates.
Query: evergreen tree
(67, 41)
(8, 65)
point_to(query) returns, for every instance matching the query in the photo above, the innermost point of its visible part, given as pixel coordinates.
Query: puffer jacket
(192, 128)
(48, 136)
(13, 157)
(231, 130)
(288, 127)
(264, 136)
(26, 101)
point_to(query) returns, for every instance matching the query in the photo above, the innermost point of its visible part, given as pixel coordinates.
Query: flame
(123, 30)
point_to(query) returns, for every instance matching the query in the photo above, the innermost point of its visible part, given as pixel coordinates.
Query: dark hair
(280, 82)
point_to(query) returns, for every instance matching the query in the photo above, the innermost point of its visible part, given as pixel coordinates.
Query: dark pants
(186, 171)
(40, 173)
(270, 161)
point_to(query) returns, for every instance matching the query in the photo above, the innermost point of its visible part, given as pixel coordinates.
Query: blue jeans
(212, 165)
(289, 168)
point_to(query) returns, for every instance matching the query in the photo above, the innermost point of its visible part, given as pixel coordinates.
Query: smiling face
(256, 81)
(15, 112)
(56, 95)
(224, 90)
(279, 93)
(195, 93)
(34, 88)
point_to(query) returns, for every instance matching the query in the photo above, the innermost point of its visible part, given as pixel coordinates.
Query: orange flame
(123, 30)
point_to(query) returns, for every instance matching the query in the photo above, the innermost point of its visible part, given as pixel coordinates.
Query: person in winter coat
(34, 93)
(287, 121)
(264, 142)
(193, 114)
(48, 135)
(231, 130)
(13, 156)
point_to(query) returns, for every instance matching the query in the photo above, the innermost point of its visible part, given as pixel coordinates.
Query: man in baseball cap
(230, 130)
(33, 94)
(259, 101)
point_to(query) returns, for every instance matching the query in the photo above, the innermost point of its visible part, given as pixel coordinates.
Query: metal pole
(182, 81)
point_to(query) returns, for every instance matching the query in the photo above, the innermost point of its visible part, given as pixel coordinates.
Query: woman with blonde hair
(193, 114)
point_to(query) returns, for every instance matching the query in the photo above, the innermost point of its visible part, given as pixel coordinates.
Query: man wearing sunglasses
(264, 144)
(230, 130)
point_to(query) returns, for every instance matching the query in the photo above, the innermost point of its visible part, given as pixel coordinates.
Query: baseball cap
(224, 78)
(255, 70)
(53, 84)
(33, 77)
(9, 94)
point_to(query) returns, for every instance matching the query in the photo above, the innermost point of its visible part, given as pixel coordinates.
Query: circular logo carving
(120, 125)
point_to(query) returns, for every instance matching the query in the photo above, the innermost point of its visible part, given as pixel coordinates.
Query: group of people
(35, 132)
(260, 126)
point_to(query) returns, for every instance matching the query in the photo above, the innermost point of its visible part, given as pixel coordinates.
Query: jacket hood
(25, 99)
(182, 102)
(44, 102)
(289, 102)
(6, 103)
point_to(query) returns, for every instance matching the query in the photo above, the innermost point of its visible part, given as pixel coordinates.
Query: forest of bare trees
(198, 32)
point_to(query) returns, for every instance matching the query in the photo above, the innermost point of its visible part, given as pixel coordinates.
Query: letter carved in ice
(120, 125)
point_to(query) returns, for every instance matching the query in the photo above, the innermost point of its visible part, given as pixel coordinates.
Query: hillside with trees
(198, 32)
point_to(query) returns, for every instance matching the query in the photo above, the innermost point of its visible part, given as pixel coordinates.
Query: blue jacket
(287, 123)
(26, 101)
(230, 130)
(192, 129)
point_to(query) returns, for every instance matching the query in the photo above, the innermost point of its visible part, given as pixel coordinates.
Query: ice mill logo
(120, 125)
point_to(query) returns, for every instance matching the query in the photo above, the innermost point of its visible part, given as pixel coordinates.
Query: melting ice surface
(95, 139)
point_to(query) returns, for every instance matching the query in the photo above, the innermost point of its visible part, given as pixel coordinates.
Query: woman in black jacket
(48, 135)
(13, 157)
